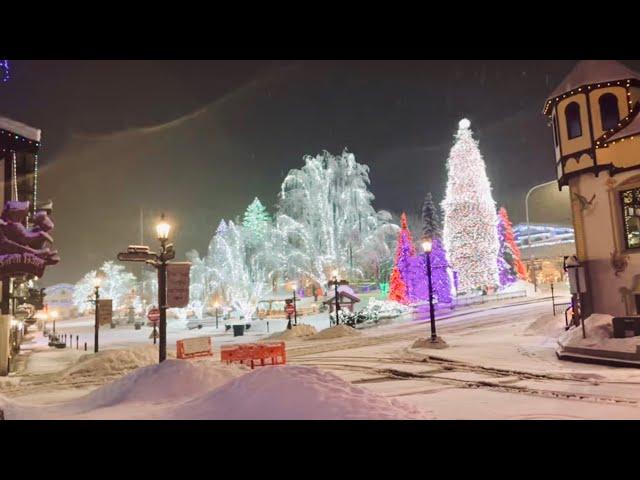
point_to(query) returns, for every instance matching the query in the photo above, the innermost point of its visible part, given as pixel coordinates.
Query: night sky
(199, 139)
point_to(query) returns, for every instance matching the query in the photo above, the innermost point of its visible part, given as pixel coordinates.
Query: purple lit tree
(440, 279)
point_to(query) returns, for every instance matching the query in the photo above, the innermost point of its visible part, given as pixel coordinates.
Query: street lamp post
(526, 209)
(54, 315)
(141, 253)
(163, 229)
(427, 245)
(96, 296)
(295, 308)
(335, 287)
(216, 305)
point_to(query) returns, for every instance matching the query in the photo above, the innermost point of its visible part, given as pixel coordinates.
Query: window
(609, 113)
(631, 217)
(572, 114)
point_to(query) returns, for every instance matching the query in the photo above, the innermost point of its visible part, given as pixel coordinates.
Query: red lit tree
(512, 252)
(400, 288)
(397, 288)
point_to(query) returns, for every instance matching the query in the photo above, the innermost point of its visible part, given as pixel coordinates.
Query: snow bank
(598, 327)
(297, 331)
(384, 309)
(599, 331)
(113, 362)
(293, 393)
(336, 332)
(164, 382)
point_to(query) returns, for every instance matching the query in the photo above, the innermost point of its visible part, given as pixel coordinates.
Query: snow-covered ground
(500, 363)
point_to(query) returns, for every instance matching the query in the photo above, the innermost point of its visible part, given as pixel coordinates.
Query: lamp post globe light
(163, 229)
(427, 246)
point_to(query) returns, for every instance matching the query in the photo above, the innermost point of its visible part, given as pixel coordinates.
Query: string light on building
(4, 71)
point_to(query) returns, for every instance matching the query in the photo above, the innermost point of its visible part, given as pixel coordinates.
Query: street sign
(178, 284)
(105, 311)
(194, 347)
(290, 309)
(154, 315)
(136, 256)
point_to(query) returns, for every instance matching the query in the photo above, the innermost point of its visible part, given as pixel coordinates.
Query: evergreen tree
(404, 252)
(512, 252)
(440, 277)
(256, 220)
(222, 227)
(506, 272)
(470, 234)
(397, 288)
(431, 223)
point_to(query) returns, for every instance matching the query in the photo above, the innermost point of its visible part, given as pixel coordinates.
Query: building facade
(596, 134)
(25, 242)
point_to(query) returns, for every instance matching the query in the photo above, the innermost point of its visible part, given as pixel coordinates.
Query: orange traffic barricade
(253, 352)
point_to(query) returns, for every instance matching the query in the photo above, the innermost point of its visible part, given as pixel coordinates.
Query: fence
(494, 297)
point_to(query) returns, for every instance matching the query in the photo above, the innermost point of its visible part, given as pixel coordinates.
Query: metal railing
(494, 297)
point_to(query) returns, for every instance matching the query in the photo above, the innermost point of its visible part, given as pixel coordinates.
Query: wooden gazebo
(345, 299)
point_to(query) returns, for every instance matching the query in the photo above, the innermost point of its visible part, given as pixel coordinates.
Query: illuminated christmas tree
(397, 289)
(401, 290)
(506, 272)
(511, 252)
(256, 221)
(470, 234)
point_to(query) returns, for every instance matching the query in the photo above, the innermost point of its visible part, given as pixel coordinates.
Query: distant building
(59, 297)
(538, 241)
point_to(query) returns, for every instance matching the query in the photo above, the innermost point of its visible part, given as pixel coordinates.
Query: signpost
(178, 284)
(105, 311)
(194, 347)
(154, 317)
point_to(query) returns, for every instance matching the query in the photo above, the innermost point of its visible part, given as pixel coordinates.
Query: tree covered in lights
(441, 278)
(509, 248)
(115, 283)
(506, 272)
(242, 280)
(397, 287)
(401, 288)
(328, 220)
(470, 234)
(256, 220)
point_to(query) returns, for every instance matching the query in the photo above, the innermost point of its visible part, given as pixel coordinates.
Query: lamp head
(97, 281)
(427, 244)
(163, 229)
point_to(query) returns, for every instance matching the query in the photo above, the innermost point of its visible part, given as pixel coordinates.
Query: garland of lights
(4, 71)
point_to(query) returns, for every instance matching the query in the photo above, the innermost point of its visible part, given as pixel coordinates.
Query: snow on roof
(20, 129)
(588, 72)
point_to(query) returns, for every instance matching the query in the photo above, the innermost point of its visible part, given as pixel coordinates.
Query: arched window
(572, 114)
(609, 113)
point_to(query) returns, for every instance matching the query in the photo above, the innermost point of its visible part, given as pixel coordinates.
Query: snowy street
(500, 364)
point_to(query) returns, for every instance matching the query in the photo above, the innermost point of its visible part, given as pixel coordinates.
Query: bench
(252, 352)
(626, 327)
